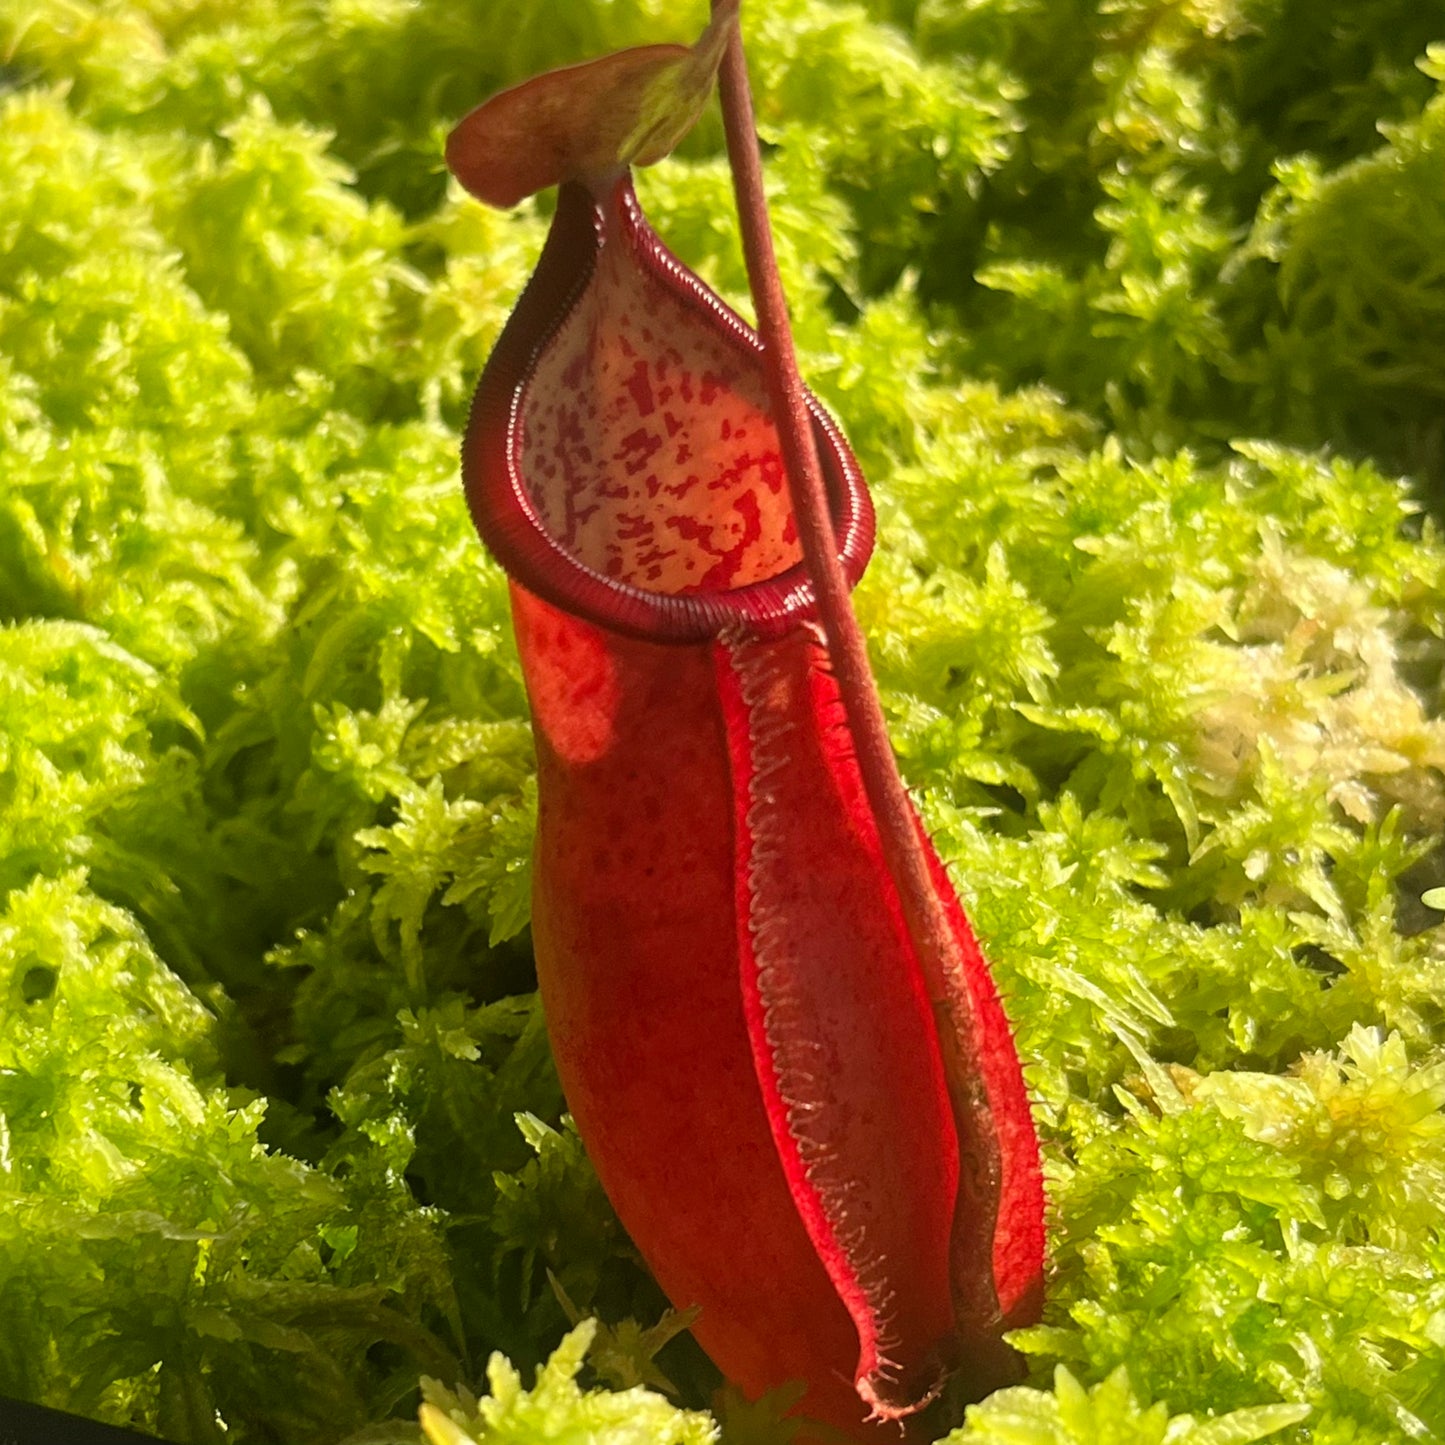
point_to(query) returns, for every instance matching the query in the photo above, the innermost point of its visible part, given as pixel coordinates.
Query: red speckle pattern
(648, 451)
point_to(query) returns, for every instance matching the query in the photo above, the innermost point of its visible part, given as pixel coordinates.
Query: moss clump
(1133, 314)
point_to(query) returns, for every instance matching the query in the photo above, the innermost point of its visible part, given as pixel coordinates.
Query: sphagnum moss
(1171, 700)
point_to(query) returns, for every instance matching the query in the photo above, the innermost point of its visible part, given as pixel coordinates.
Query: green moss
(1132, 312)
(557, 1409)
(1109, 1415)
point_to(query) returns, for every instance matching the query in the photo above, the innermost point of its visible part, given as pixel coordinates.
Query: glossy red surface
(738, 1014)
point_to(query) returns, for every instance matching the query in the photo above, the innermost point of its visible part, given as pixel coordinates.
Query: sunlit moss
(1132, 312)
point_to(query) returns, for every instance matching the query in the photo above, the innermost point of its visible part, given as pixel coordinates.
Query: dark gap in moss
(1312, 956)
(1007, 797)
(841, 306)
(420, 1191)
(1412, 914)
(37, 983)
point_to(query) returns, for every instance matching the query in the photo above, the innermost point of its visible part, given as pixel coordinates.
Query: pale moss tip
(441, 1429)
